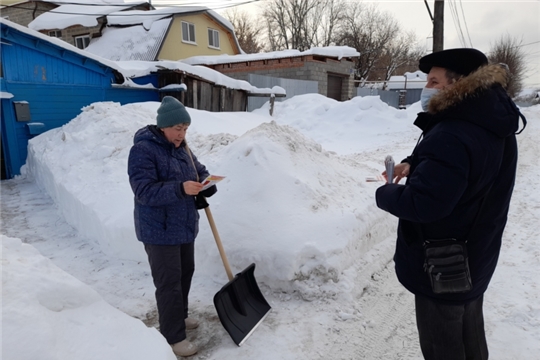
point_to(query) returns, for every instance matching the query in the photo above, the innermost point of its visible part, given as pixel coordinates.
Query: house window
(213, 38)
(55, 33)
(82, 41)
(188, 32)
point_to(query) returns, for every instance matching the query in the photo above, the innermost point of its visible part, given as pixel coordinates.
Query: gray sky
(482, 23)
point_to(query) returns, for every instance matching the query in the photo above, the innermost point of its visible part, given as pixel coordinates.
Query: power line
(457, 23)
(465, 21)
(124, 5)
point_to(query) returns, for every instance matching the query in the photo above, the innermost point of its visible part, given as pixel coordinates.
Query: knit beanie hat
(171, 112)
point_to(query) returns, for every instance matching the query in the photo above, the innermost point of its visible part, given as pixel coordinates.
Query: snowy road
(374, 321)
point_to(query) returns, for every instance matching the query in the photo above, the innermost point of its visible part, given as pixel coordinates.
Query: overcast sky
(482, 23)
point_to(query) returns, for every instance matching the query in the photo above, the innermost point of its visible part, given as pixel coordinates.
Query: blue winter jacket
(469, 145)
(164, 214)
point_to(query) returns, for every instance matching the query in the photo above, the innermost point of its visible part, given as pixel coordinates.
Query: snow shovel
(240, 305)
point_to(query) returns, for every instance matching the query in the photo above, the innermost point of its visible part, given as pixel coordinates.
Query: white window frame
(213, 38)
(85, 39)
(188, 32)
(55, 33)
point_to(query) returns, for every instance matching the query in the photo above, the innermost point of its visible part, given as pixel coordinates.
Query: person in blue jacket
(164, 176)
(460, 179)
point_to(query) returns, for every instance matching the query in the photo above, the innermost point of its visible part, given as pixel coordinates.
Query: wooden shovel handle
(218, 242)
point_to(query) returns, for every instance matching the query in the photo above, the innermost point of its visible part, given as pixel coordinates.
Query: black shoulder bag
(447, 262)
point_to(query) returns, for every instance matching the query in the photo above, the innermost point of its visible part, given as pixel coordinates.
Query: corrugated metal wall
(56, 83)
(389, 97)
(292, 87)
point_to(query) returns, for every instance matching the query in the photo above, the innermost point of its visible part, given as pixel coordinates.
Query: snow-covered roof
(142, 68)
(62, 44)
(330, 51)
(138, 17)
(72, 14)
(138, 42)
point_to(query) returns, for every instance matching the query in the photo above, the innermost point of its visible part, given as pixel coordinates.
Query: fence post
(272, 100)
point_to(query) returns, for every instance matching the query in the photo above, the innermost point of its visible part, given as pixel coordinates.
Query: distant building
(409, 86)
(330, 67)
(165, 34)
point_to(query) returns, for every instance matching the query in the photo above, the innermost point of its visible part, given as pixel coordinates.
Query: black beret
(462, 61)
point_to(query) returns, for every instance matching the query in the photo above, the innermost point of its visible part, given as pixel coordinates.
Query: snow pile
(48, 314)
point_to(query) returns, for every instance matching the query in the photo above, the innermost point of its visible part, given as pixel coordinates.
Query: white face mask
(427, 94)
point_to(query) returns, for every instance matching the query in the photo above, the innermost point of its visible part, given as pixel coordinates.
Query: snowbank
(48, 314)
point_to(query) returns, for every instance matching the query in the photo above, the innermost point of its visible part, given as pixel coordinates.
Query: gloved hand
(209, 192)
(200, 202)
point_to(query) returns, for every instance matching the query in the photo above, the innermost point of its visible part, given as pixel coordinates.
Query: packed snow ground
(295, 203)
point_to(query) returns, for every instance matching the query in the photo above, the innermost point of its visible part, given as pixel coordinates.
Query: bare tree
(324, 20)
(508, 50)
(400, 53)
(247, 31)
(301, 24)
(369, 31)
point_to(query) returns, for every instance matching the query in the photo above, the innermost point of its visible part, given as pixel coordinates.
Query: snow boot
(184, 348)
(191, 323)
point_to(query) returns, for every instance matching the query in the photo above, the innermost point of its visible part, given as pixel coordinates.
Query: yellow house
(201, 33)
(172, 33)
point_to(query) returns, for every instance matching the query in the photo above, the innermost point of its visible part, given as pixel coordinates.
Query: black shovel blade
(240, 305)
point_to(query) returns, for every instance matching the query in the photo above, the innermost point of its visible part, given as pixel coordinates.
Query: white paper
(211, 180)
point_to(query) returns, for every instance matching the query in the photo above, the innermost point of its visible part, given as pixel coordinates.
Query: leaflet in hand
(374, 178)
(211, 180)
(389, 164)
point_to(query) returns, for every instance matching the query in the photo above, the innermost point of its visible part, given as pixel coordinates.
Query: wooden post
(194, 94)
(438, 26)
(272, 100)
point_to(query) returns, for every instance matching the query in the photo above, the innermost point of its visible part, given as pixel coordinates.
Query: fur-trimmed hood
(479, 98)
(482, 79)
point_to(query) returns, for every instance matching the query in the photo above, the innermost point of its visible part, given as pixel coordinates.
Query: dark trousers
(451, 332)
(172, 269)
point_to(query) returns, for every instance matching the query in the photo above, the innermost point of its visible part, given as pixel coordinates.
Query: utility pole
(438, 26)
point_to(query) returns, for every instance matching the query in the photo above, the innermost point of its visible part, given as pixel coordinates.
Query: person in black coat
(460, 179)
(165, 178)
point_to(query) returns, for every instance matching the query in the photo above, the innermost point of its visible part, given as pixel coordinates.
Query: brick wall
(24, 13)
(69, 34)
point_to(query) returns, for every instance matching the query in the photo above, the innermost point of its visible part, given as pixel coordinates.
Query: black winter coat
(164, 214)
(468, 145)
